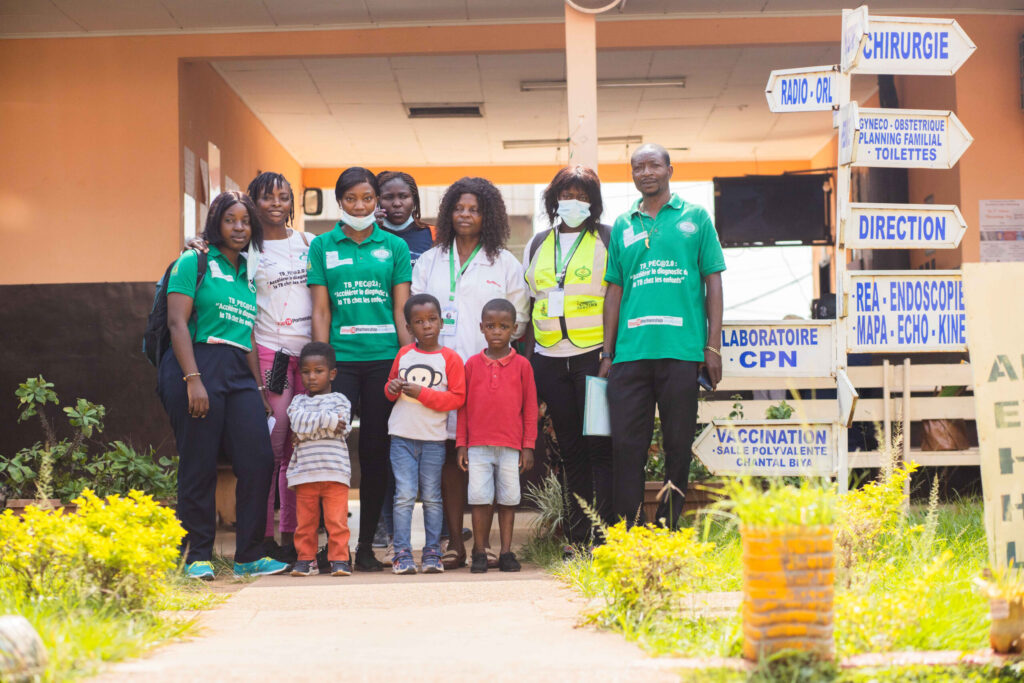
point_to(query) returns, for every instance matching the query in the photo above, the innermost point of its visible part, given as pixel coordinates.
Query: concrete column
(581, 77)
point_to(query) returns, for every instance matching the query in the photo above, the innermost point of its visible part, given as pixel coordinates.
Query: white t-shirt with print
(284, 320)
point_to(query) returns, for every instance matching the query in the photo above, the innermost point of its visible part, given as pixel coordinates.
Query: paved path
(451, 627)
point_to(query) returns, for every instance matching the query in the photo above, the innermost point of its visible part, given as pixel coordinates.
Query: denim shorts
(493, 469)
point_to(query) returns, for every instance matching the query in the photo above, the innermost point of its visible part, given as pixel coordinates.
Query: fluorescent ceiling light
(563, 142)
(670, 82)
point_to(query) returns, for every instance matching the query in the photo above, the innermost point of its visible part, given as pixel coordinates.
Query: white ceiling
(80, 17)
(337, 111)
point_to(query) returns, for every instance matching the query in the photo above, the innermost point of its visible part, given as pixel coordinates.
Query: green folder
(596, 421)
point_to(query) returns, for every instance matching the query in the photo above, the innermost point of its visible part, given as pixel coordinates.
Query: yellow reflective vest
(584, 289)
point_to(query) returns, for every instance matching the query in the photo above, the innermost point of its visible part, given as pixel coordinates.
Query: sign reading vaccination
(768, 449)
(797, 348)
(905, 311)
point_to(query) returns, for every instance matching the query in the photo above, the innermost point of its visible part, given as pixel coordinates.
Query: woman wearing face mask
(398, 212)
(565, 268)
(359, 277)
(468, 267)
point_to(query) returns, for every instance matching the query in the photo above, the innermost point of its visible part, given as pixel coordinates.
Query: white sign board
(901, 138)
(775, 448)
(1001, 227)
(812, 88)
(786, 348)
(902, 226)
(848, 396)
(893, 311)
(855, 26)
(910, 45)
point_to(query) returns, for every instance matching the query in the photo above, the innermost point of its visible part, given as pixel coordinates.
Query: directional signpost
(768, 448)
(902, 226)
(787, 348)
(902, 138)
(894, 311)
(847, 398)
(905, 45)
(810, 89)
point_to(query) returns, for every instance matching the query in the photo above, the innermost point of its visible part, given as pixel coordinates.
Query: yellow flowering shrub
(113, 548)
(871, 516)
(649, 568)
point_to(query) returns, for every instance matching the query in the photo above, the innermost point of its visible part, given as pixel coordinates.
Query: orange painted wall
(212, 112)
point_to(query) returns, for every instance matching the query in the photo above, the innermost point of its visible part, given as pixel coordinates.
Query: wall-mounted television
(773, 210)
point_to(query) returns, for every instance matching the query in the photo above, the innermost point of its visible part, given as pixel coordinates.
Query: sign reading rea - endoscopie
(902, 226)
(786, 348)
(903, 45)
(900, 138)
(811, 88)
(905, 311)
(775, 448)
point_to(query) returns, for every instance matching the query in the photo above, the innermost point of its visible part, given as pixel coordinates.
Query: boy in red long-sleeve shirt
(497, 430)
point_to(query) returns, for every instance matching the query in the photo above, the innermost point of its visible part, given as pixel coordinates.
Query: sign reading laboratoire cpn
(775, 448)
(900, 138)
(810, 88)
(787, 348)
(904, 45)
(902, 226)
(996, 324)
(895, 311)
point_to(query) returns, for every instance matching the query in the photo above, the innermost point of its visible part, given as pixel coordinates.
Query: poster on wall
(1001, 226)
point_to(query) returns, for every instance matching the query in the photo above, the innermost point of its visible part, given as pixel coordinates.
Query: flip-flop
(492, 558)
(451, 560)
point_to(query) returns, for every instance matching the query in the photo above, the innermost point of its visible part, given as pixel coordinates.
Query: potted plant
(788, 565)
(1004, 589)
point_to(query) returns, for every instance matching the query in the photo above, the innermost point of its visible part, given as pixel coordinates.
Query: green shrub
(113, 549)
(776, 504)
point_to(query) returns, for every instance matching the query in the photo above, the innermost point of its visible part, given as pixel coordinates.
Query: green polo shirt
(224, 307)
(662, 312)
(359, 279)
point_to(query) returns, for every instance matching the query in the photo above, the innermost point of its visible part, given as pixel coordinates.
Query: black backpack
(603, 231)
(157, 338)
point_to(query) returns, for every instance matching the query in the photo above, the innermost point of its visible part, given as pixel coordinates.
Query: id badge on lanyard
(449, 319)
(450, 314)
(556, 303)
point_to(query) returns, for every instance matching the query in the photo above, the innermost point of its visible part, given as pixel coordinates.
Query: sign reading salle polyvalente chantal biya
(995, 326)
(768, 448)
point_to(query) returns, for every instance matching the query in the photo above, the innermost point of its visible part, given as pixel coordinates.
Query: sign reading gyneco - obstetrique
(903, 45)
(776, 448)
(892, 311)
(900, 138)
(902, 226)
(811, 88)
(786, 348)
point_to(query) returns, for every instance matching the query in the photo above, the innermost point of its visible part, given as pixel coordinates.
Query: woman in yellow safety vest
(565, 268)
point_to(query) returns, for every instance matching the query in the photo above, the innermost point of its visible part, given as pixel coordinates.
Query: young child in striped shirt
(320, 470)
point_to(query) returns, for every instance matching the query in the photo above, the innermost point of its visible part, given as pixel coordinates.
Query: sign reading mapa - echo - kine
(775, 448)
(905, 311)
(786, 348)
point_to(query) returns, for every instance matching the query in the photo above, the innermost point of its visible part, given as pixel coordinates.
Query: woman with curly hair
(468, 267)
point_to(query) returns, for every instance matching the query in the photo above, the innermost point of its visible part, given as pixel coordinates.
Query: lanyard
(561, 266)
(454, 279)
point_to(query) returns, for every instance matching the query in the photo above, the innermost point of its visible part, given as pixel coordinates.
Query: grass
(918, 596)
(81, 638)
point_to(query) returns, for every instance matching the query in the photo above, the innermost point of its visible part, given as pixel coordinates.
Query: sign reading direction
(847, 398)
(901, 138)
(775, 448)
(996, 322)
(894, 311)
(902, 226)
(907, 45)
(787, 348)
(812, 88)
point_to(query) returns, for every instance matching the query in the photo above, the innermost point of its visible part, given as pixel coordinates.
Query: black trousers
(633, 390)
(363, 382)
(236, 425)
(586, 460)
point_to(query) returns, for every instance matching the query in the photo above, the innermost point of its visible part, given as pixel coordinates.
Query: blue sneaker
(403, 563)
(302, 568)
(264, 566)
(432, 563)
(201, 570)
(341, 568)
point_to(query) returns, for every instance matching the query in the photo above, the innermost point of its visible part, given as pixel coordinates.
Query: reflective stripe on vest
(584, 292)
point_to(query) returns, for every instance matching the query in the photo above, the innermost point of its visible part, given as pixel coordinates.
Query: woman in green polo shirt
(359, 276)
(209, 388)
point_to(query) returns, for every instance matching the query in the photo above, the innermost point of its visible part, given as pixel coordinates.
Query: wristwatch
(609, 356)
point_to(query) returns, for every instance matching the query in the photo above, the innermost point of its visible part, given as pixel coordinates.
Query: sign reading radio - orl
(787, 348)
(906, 311)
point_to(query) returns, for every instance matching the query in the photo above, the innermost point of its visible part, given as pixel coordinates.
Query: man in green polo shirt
(664, 303)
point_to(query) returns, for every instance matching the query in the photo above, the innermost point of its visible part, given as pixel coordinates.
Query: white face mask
(397, 228)
(359, 223)
(573, 211)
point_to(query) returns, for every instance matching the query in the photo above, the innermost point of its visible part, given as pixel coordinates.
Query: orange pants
(334, 497)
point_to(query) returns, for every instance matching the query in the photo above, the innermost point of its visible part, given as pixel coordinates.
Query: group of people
(282, 340)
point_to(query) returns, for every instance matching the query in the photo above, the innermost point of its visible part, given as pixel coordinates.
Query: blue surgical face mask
(397, 228)
(573, 211)
(359, 223)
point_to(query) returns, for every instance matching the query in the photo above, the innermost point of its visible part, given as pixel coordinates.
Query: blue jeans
(417, 467)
